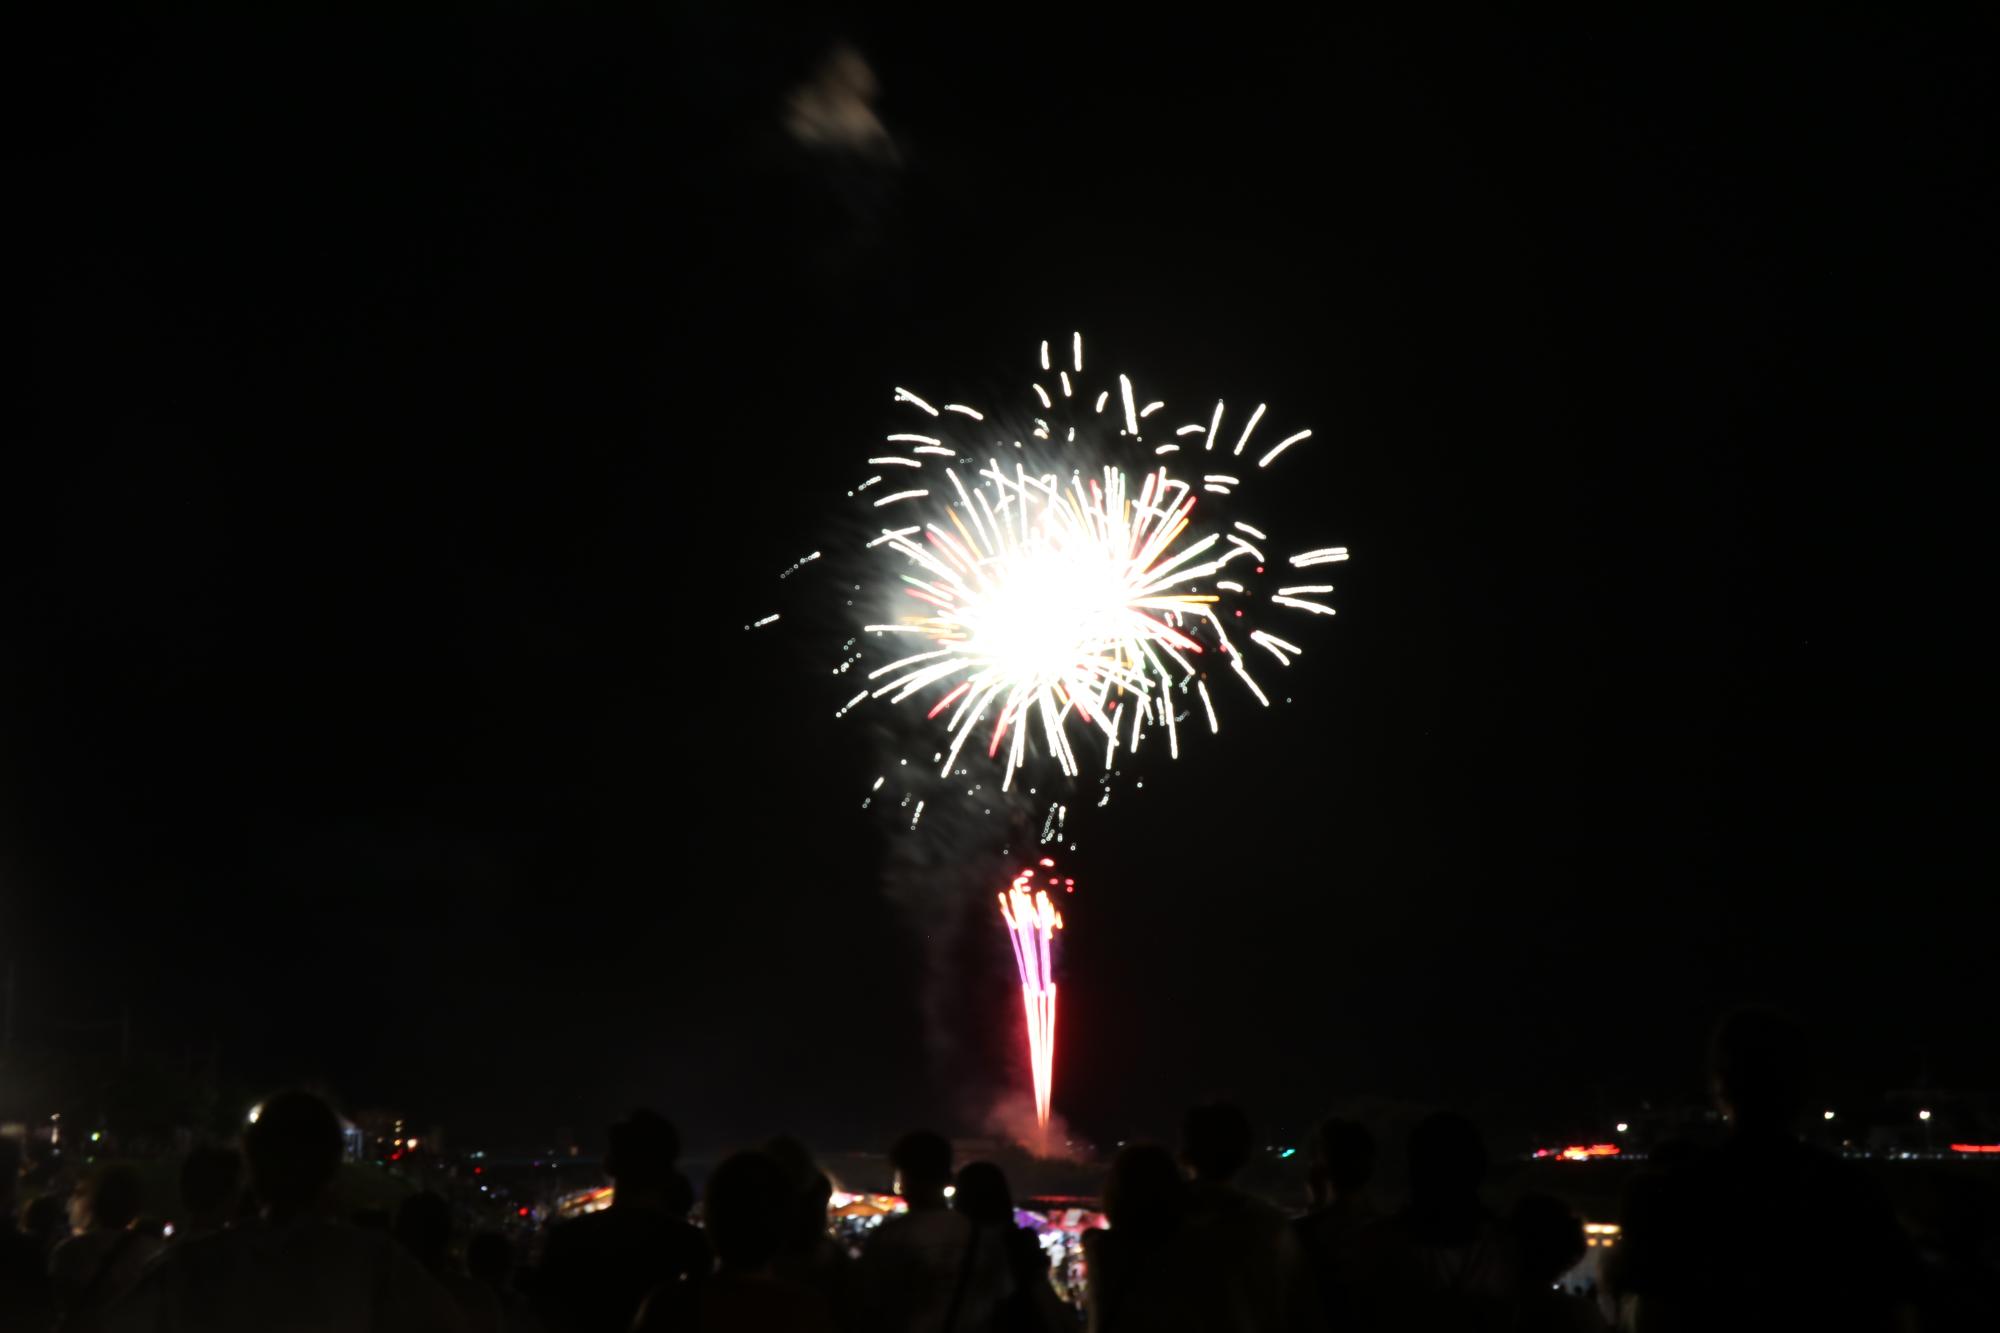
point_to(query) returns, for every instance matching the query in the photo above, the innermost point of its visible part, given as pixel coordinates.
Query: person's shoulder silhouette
(1764, 1227)
(597, 1270)
(290, 1267)
(747, 1210)
(1341, 1163)
(1443, 1261)
(26, 1301)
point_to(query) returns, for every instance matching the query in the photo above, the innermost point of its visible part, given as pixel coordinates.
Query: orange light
(1976, 1147)
(1580, 1152)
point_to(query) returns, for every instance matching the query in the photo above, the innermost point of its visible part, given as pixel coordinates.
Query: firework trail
(1032, 922)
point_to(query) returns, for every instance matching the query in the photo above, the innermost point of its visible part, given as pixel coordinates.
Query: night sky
(416, 413)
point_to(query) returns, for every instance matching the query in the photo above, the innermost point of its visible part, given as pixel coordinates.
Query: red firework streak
(1032, 922)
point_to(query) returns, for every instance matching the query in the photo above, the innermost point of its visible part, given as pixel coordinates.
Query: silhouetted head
(1343, 1159)
(982, 1195)
(793, 1158)
(293, 1150)
(489, 1258)
(1447, 1162)
(745, 1211)
(923, 1168)
(112, 1198)
(808, 1191)
(423, 1225)
(10, 1173)
(43, 1218)
(1144, 1196)
(1757, 1065)
(1215, 1141)
(641, 1157)
(1548, 1238)
(211, 1183)
(678, 1197)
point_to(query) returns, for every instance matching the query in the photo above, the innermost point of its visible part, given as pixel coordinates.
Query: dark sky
(416, 413)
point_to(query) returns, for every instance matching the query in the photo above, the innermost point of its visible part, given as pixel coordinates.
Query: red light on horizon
(1976, 1147)
(1580, 1152)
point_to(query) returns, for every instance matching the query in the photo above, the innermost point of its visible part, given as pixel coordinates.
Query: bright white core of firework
(1048, 606)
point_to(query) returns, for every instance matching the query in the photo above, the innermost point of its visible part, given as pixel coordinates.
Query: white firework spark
(1068, 592)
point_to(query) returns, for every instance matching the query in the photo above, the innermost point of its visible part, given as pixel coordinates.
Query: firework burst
(1058, 591)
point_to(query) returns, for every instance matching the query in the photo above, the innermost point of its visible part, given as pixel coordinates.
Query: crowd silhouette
(1759, 1231)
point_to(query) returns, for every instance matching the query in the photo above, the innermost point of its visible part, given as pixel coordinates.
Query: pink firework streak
(1032, 922)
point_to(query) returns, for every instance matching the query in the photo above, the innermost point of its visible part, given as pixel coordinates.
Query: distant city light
(95, 1135)
(1923, 1115)
(256, 1111)
(1622, 1127)
(1580, 1152)
(1827, 1115)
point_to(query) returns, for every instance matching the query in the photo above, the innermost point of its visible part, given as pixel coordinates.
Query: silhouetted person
(983, 1198)
(1250, 1243)
(1341, 1163)
(680, 1195)
(1148, 1270)
(489, 1261)
(423, 1227)
(46, 1222)
(597, 1270)
(930, 1270)
(1763, 1231)
(211, 1192)
(1548, 1242)
(1956, 1219)
(1444, 1261)
(747, 1211)
(104, 1258)
(808, 1253)
(26, 1301)
(291, 1267)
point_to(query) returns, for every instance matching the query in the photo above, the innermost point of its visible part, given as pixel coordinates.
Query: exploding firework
(1032, 922)
(1057, 595)
(1063, 587)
